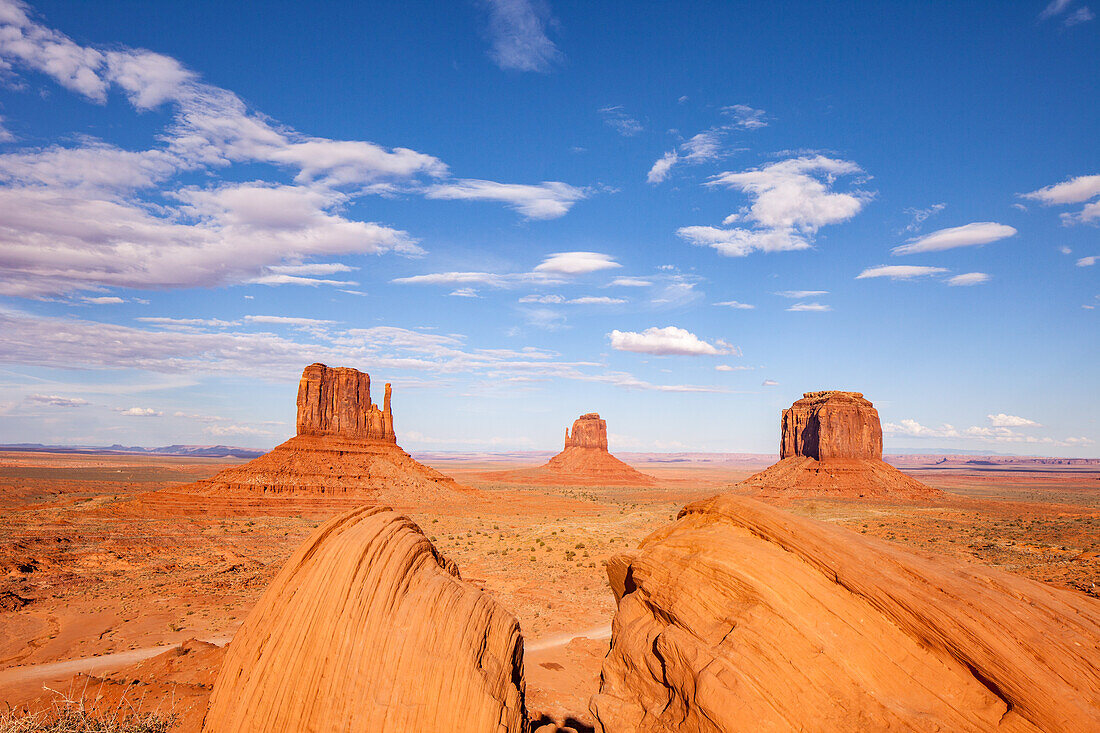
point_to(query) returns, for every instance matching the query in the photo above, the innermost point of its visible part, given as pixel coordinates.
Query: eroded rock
(740, 616)
(368, 628)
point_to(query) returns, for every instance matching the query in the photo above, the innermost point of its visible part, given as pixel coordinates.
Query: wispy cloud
(900, 272)
(705, 146)
(517, 30)
(736, 305)
(1001, 420)
(969, 278)
(811, 307)
(138, 412)
(797, 294)
(618, 120)
(728, 368)
(1088, 261)
(919, 216)
(630, 282)
(55, 400)
(667, 341)
(968, 235)
(1055, 8)
(548, 200)
(746, 117)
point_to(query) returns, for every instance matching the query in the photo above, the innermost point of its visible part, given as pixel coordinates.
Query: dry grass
(74, 716)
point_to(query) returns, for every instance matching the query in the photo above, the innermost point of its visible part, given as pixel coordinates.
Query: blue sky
(517, 212)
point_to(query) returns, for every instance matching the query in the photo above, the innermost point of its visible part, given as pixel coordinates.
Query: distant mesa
(346, 447)
(740, 616)
(367, 627)
(831, 445)
(584, 460)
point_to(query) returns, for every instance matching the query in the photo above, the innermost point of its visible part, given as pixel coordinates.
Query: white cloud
(814, 307)
(547, 200)
(325, 268)
(728, 368)
(517, 29)
(1001, 420)
(969, 278)
(746, 117)
(576, 263)
(596, 300)
(104, 300)
(769, 383)
(1088, 261)
(900, 272)
(661, 168)
(1072, 191)
(1065, 250)
(1056, 7)
(669, 340)
(465, 293)
(630, 282)
(742, 242)
(287, 321)
(736, 304)
(549, 299)
(139, 412)
(221, 431)
(791, 200)
(968, 235)
(618, 120)
(913, 429)
(796, 294)
(55, 400)
(921, 215)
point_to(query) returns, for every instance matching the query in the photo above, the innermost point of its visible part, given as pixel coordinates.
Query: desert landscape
(125, 578)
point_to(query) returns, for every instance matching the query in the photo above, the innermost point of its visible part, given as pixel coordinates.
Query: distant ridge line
(196, 451)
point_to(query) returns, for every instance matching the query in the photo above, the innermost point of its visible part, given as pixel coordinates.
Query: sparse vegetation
(74, 716)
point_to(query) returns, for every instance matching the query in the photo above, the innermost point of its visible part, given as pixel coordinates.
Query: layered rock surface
(584, 460)
(345, 448)
(368, 628)
(739, 616)
(831, 445)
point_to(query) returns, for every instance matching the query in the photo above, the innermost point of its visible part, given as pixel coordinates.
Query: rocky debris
(336, 401)
(831, 424)
(368, 628)
(345, 448)
(831, 445)
(740, 616)
(11, 602)
(589, 431)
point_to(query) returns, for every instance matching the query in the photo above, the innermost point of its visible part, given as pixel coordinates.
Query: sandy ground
(93, 577)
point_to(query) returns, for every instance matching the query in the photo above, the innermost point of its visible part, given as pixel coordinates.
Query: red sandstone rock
(368, 628)
(345, 447)
(584, 461)
(740, 616)
(589, 431)
(831, 445)
(831, 424)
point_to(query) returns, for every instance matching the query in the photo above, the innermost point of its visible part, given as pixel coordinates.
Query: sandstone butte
(584, 460)
(831, 445)
(740, 616)
(368, 628)
(345, 447)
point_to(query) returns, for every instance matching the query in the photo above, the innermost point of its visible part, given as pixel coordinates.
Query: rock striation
(584, 460)
(368, 628)
(831, 445)
(740, 616)
(345, 449)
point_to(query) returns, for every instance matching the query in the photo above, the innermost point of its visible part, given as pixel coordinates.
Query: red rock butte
(831, 445)
(584, 460)
(346, 448)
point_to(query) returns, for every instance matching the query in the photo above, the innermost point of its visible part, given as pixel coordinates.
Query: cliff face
(739, 616)
(336, 401)
(589, 431)
(831, 424)
(368, 628)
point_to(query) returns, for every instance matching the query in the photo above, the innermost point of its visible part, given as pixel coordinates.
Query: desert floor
(95, 578)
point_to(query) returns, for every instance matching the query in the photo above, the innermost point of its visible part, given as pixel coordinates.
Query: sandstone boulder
(368, 628)
(740, 616)
(831, 445)
(589, 431)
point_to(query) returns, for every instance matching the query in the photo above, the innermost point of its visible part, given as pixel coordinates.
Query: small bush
(71, 716)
